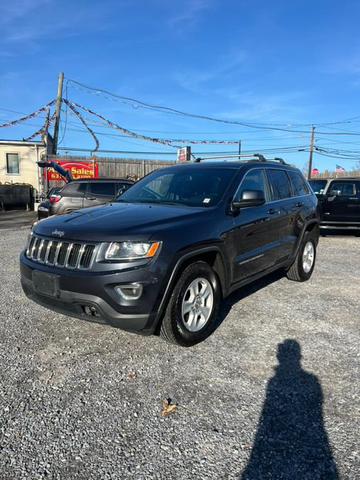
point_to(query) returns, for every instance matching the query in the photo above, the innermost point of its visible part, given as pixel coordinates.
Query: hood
(117, 221)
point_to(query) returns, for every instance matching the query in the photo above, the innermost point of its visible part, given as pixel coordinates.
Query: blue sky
(277, 63)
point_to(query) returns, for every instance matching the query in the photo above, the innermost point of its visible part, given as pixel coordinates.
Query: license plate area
(45, 283)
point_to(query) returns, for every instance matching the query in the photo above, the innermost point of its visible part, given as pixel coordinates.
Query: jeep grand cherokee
(162, 257)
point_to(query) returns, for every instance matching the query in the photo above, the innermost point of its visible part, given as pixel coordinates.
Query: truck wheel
(303, 266)
(192, 311)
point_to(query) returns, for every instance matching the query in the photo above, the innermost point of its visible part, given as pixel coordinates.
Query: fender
(305, 229)
(224, 282)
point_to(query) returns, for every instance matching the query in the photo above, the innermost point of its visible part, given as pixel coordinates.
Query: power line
(159, 108)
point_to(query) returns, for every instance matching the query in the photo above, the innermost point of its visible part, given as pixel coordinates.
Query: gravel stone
(83, 401)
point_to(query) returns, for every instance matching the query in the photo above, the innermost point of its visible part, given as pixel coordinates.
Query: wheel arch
(212, 256)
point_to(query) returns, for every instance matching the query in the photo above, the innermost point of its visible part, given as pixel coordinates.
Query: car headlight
(131, 250)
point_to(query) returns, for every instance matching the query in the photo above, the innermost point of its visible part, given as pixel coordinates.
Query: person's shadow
(291, 442)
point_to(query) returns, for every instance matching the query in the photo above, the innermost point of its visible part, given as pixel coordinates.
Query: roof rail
(246, 157)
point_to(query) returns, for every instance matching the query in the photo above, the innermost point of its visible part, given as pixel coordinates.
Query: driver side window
(253, 180)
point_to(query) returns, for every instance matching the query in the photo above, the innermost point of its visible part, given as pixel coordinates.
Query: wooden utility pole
(239, 147)
(312, 142)
(58, 112)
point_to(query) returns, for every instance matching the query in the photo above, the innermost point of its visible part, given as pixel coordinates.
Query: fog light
(133, 291)
(91, 311)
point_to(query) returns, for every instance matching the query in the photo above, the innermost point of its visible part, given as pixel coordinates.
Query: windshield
(197, 187)
(318, 186)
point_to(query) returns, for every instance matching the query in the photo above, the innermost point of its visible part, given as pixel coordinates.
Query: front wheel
(192, 311)
(303, 266)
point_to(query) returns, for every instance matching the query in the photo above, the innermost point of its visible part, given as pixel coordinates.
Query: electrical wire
(162, 109)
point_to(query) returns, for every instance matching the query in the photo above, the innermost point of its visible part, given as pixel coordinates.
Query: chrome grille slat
(48, 251)
(57, 253)
(36, 248)
(39, 250)
(67, 256)
(33, 247)
(81, 252)
(61, 254)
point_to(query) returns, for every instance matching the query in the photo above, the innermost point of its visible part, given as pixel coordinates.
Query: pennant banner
(28, 117)
(43, 129)
(163, 141)
(80, 117)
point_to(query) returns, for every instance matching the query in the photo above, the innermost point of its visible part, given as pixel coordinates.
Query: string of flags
(73, 106)
(75, 109)
(170, 142)
(122, 129)
(28, 117)
(48, 121)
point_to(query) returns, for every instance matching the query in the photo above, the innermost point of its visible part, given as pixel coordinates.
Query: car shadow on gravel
(246, 291)
(291, 442)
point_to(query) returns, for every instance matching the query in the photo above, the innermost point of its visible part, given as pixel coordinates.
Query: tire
(303, 266)
(183, 323)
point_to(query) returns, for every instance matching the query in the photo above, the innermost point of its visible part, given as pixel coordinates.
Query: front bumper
(78, 292)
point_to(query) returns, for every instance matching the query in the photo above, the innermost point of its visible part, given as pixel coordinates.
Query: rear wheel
(303, 266)
(193, 307)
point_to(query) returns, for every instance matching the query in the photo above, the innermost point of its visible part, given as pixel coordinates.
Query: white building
(18, 162)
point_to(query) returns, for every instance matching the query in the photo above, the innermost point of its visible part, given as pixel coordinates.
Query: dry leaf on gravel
(132, 375)
(168, 408)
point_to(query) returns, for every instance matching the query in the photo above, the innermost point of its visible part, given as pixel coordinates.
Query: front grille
(60, 253)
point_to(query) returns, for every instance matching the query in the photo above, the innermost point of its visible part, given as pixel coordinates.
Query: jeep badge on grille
(59, 233)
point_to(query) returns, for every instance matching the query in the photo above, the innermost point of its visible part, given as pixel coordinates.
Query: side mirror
(249, 198)
(334, 193)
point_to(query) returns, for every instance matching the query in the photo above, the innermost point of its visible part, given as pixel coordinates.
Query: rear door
(282, 210)
(301, 207)
(342, 202)
(72, 197)
(254, 235)
(99, 193)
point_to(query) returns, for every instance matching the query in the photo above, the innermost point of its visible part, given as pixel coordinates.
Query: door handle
(299, 204)
(272, 211)
(90, 198)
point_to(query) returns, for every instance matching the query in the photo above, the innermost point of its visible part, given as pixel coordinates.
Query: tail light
(55, 198)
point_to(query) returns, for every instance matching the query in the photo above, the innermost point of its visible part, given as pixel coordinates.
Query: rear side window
(345, 189)
(318, 186)
(298, 183)
(74, 189)
(253, 180)
(279, 184)
(103, 188)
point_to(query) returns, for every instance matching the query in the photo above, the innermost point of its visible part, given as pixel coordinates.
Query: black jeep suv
(163, 256)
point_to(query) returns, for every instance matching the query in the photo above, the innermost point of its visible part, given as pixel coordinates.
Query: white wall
(28, 156)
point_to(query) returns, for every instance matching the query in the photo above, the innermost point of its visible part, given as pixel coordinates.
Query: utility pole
(312, 142)
(239, 147)
(57, 112)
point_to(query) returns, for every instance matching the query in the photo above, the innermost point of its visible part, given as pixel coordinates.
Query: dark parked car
(174, 245)
(80, 194)
(339, 202)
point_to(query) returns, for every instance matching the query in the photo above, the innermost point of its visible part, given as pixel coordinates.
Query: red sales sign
(77, 169)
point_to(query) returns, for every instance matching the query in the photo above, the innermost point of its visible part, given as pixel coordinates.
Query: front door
(254, 235)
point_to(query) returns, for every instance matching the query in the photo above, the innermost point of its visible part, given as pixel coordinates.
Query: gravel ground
(16, 219)
(84, 401)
